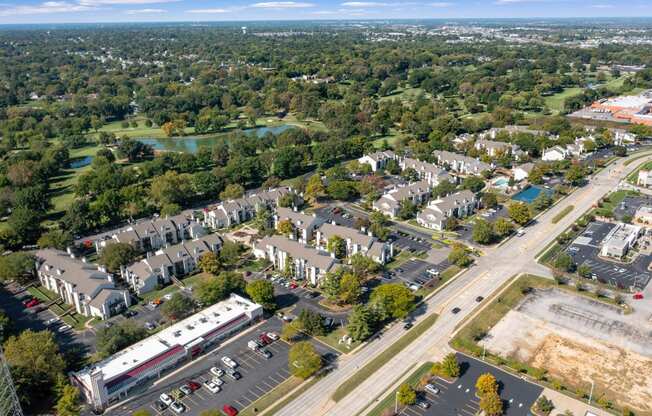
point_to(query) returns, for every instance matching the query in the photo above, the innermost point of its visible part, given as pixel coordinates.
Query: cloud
(47, 7)
(282, 5)
(441, 4)
(324, 12)
(207, 11)
(146, 11)
(603, 6)
(118, 2)
(363, 4)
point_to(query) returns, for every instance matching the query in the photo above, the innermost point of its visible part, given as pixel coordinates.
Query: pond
(80, 162)
(190, 144)
(529, 194)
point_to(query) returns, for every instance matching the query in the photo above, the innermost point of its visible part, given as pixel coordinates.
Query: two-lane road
(492, 270)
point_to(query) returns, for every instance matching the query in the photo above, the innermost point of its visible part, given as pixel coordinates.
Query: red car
(229, 410)
(32, 303)
(193, 385)
(264, 339)
(26, 301)
(638, 296)
(293, 285)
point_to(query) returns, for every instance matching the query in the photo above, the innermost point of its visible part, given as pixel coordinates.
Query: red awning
(135, 372)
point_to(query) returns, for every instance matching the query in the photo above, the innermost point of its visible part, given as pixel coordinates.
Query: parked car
(53, 320)
(293, 285)
(64, 328)
(160, 406)
(407, 325)
(456, 310)
(130, 314)
(218, 381)
(27, 301)
(433, 272)
(185, 389)
(423, 404)
(212, 387)
(166, 399)
(177, 407)
(193, 385)
(167, 296)
(253, 345)
(311, 295)
(328, 322)
(150, 325)
(264, 339)
(229, 410)
(216, 371)
(431, 388)
(265, 354)
(233, 374)
(479, 299)
(229, 362)
(273, 336)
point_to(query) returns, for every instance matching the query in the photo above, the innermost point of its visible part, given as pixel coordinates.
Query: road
(499, 264)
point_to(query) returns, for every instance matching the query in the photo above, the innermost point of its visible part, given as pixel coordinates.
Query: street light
(396, 402)
(591, 392)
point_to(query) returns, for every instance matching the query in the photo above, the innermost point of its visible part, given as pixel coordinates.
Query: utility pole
(9, 404)
(591, 392)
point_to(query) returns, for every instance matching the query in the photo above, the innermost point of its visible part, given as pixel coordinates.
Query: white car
(64, 328)
(166, 399)
(212, 387)
(229, 362)
(431, 388)
(177, 407)
(217, 381)
(167, 296)
(216, 371)
(273, 336)
(51, 321)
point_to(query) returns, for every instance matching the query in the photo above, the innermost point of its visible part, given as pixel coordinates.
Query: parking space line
(241, 404)
(277, 382)
(267, 384)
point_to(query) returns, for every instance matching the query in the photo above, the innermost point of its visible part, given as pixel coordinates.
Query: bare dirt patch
(578, 340)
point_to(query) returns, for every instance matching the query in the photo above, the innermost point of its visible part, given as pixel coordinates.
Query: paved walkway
(564, 403)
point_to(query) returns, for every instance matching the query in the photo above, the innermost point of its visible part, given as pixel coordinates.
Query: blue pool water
(501, 182)
(528, 195)
(80, 162)
(191, 144)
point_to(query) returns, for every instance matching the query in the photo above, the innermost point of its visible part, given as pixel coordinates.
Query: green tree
(564, 262)
(406, 395)
(575, 174)
(232, 191)
(544, 405)
(209, 263)
(285, 227)
(407, 210)
(486, 384)
(210, 290)
(483, 232)
(315, 189)
(178, 307)
(263, 221)
(459, 257)
(312, 323)
(25, 223)
(489, 200)
(171, 209)
(342, 190)
(503, 227)
(17, 266)
(337, 246)
(473, 183)
(110, 340)
(115, 255)
(491, 404)
(584, 270)
(350, 289)
(58, 239)
(35, 364)
(450, 367)
(262, 292)
(392, 300)
(230, 253)
(304, 361)
(171, 188)
(68, 403)
(362, 265)
(519, 213)
(361, 323)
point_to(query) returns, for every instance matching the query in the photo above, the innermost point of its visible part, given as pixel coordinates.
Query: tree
(503, 227)
(112, 339)
(315, 188)
(350, 289)
(362, 265)
(35, 364)
(489, 200)
(290, 331)
(564, 262)
(143, 412)
(209, 263)
(491, 404)
(171, 209)
(68, 403)
(210, 290)
(519, 213)
(342, 190)
(58, 239)
(544, 405)
(406, 395)
(361, 323)
(304, 360)
(542, 202)
(483, 232)
(178, 307)
(459, 257)
(17, 266)
(116, 255)
(535, 176)
(337, 246)
(473, 183)
(575, 174)
(232, 191)
(312, 323)
(171, 188)
(263, 220)
(486, 384)
(230, 252)
(584, 270)
(25, 223)
(285, 227)
(262, 292)
(406, 209)
(392, 300)
(450, 367)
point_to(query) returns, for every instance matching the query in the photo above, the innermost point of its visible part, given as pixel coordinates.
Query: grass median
(372, 366)
(562, 214)
(413, 380)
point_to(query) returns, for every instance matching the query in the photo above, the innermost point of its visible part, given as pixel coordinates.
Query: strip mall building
(112, 379)
(636, 109)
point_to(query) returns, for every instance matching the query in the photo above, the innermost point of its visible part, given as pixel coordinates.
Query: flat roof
(181, 333)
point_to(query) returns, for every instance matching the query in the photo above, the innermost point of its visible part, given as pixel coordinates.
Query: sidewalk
(564, 403)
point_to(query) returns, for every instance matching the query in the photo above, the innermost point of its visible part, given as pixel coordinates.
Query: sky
(78, 11)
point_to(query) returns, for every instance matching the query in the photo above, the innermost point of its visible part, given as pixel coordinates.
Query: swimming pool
(529, 194)
(501, 182)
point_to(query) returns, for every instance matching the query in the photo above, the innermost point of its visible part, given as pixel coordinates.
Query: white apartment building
(426, 171)
(378, 160)
(356, 242)
(457, 205)
(389, 204)
(304, 225)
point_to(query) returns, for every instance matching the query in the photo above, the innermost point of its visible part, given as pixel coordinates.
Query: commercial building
(635, 109)
(461, 164)
(643, 215)
(113, 378)
(356, 242)
(87, 287)
(304, 225)
(378, 160)
(173, 261)
(457, 205)
(426, 171)
(619, 240)
(644, 178)
(294, 259)
(390, 203)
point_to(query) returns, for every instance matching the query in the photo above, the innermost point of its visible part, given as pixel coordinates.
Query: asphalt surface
(495, 268)
(459, 399)
(630, 204)
(259, 376)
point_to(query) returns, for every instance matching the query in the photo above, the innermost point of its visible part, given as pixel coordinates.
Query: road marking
(243, 405)
(261, 389)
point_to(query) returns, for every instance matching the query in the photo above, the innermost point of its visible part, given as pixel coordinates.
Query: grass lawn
(443, 278)
(372, 366)
(392, 139)
(555, 102)
(562, 214)
(413, 380)
(332, 339)
(408, 94)
(280, 392)
(614, 199)
(399, 259)
(73, 319)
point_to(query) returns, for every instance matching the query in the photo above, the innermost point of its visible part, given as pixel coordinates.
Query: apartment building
(494, 148)
(389, 204)
(426, 171)
(522, 172)
(461, 164)
(86, 287)
(457, 205)
(378, 160)
(356, 242)
(304, 225)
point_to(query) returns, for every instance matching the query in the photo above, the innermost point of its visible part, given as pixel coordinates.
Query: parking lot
(630, 204)
(415, 272)
(585, 249)
(459, 399)
(259, 376)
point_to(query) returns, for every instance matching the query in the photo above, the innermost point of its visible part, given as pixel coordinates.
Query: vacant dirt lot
(578, 340)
